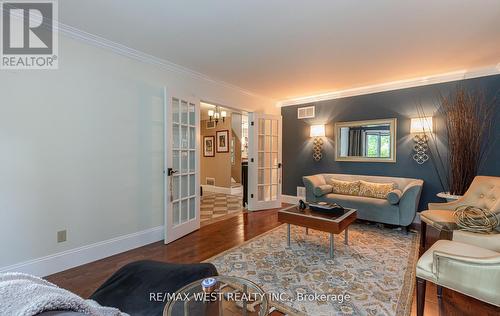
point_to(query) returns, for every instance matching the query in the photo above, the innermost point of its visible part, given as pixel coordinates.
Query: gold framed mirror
(366, 141)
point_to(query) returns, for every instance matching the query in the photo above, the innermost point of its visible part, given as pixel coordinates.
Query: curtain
(355, 142)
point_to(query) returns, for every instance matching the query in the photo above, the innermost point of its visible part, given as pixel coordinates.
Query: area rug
(376, 270)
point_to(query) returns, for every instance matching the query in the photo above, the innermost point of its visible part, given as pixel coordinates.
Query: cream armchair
(469, 264)
(484, 192)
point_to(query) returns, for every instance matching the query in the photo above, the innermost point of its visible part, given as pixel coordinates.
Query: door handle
(170, 173)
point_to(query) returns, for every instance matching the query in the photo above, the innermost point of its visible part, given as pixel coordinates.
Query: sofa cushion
(322, 189)
(394, 196)
(316, 180)
(344, 187)
(371, 209)
(375, 190)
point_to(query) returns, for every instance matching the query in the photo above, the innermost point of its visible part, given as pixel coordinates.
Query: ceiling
(286, 48)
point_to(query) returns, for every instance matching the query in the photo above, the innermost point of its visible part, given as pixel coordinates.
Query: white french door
(264, 163)
(182, 166)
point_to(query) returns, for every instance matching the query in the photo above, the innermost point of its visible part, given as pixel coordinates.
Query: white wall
(80, 148)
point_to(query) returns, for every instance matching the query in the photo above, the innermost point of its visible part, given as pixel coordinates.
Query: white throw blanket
(26, 295)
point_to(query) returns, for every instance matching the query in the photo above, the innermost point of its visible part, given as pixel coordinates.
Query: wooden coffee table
(333, 223)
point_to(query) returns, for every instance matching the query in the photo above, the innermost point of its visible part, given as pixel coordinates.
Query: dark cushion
(129, 288)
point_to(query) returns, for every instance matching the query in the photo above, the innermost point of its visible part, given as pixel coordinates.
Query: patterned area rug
(376, 269)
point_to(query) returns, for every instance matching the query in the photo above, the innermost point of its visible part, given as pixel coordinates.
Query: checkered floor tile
(218, 204)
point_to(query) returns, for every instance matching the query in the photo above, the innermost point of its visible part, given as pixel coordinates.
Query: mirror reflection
(366, 140)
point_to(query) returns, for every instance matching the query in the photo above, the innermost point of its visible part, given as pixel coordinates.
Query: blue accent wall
(401, 104)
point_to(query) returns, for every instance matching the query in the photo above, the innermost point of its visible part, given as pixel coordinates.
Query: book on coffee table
(324, 206)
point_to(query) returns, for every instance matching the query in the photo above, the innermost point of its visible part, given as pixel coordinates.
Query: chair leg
(440, 299)
(446, 234)
(421, 283)
(423, 232)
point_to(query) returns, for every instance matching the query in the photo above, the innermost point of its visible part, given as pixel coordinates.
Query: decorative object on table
(302, 205)
(208, 285)
(226, 295)
(420, 127)
(475, 219)
(317, 131)
(306, 267)
(222, 141)
(326, 207)
(208, 146)
(215, 115)
(468, 117)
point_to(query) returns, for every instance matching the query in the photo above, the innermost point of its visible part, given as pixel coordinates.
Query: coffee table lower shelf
(330, 223)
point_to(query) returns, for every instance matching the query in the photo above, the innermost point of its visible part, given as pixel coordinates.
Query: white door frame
(253, 162)
(171, 231)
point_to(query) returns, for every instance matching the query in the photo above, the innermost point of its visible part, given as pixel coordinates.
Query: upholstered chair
(484, 192)
(469, 264)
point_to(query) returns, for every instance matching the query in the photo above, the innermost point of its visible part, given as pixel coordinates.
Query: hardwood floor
(200, 245)
(214, 238)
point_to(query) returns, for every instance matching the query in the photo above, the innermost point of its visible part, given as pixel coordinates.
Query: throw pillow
(375, 190)
(394, 196)
(322, 190)
(344, 187)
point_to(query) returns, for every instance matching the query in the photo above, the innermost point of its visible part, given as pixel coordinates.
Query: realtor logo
(29, 35)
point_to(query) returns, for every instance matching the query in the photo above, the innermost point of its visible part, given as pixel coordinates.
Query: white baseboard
(75, 257)
(224, 190)
(289, 199)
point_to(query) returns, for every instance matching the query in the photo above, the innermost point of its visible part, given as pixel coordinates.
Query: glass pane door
(265, 161)
(182, 210)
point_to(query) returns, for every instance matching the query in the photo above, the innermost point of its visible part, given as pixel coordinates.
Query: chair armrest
(488, 241)
(475, 277)
(439, 255)
(448, 206)
(408, 204)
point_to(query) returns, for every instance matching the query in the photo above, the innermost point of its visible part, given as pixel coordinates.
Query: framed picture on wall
(208, 146)
(210, 124)
(222, 141)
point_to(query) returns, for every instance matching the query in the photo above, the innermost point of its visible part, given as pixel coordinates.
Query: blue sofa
(401, 213)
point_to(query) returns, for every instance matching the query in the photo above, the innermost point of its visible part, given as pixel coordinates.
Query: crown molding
(126, 51)
(394, 85)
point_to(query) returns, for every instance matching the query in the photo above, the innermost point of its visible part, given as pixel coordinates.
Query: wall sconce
(420, 126)
(317, 131)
